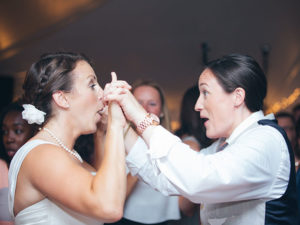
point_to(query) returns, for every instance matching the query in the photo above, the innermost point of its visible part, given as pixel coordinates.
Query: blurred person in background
(191, 132)
(144, 205)
(296, 112)
(287, 122)
(15, 131)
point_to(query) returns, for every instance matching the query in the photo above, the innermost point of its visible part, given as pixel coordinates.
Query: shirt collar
(254, 117)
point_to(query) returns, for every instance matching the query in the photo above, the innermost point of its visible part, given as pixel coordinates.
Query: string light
(284, 103)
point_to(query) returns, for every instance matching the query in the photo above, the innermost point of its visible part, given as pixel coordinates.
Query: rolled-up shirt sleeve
(245, 170)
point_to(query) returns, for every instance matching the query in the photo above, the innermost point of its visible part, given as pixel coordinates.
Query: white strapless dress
(45, 212)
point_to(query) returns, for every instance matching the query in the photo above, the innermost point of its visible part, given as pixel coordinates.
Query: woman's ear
(239, 96)
(60, 99)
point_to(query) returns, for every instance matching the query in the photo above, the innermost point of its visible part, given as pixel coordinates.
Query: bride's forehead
(82, 70)
(83, 66)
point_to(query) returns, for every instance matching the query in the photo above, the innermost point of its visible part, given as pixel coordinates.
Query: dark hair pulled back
(234, 71)
(190, 121)
(51, 73)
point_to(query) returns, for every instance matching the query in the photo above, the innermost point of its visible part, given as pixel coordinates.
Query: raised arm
(49, 172)
(101, 196)
(99, 140)
(172, 167)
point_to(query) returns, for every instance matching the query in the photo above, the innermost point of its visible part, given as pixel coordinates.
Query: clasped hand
(118, 91)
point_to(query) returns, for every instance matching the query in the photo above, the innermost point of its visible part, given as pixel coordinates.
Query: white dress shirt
(252, 169)
(148, 206)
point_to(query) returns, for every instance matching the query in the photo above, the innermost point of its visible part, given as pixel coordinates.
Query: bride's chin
(94, 128)
(89, 131)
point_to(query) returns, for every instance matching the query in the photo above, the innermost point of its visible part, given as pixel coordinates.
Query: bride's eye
(92, 86)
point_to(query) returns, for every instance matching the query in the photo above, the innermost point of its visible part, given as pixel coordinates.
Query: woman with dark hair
(15, 130)
(247, 176)
(287, 121)
(14, 133)
(192, 130)
(48, 181)
(192, 133)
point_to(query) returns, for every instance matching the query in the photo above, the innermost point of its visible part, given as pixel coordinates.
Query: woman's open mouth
(204, 120)
(101, 111)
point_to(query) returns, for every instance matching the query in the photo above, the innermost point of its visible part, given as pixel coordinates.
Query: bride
(48, 181)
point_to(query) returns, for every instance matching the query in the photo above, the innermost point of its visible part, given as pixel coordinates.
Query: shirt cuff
(161, 142)
(137, 157)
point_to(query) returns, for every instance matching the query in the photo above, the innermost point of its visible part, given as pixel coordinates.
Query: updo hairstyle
(51, 73)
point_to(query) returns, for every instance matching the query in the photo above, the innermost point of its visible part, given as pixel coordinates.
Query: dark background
(157, 39)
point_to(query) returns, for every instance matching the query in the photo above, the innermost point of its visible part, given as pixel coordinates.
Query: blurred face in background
(149, 98)
(297, 115)
(287, 124)
(15, 132)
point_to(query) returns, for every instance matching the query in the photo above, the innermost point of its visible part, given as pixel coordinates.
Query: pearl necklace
(72, 152)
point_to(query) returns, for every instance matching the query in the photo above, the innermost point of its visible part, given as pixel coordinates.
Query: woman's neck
(63, 131)
(239, 116)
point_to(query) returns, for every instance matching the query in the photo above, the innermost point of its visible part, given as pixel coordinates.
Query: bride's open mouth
(101, 111)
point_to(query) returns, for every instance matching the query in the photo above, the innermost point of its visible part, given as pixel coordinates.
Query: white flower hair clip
(32, 114)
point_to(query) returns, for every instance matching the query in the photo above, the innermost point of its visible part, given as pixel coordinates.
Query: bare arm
(113, 165)
(129, 139)
(47, 171)
(187, 207)
(131, 182)
(99, 142)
